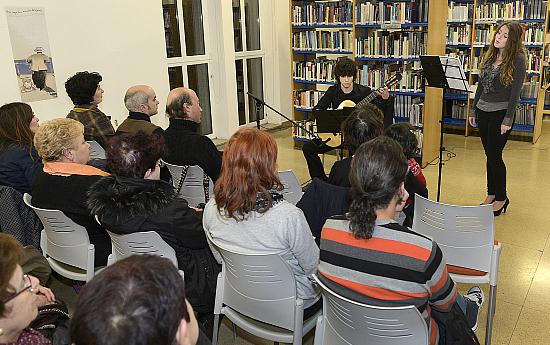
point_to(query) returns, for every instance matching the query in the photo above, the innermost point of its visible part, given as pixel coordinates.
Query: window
(249, 58)
(188, 63)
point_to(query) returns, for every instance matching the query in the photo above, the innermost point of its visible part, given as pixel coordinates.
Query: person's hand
(384, 93)
(48, 295)
(472, 121)
(504, 129)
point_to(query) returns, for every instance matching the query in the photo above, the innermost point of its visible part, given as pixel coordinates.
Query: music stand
(330, 121)
(443, 72)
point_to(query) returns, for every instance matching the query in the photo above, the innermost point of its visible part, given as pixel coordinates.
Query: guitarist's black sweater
(334, 96)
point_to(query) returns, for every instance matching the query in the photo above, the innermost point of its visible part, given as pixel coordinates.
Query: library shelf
(305, 81)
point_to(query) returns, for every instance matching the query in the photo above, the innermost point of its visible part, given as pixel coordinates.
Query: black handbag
(453, 327)
(52, 322)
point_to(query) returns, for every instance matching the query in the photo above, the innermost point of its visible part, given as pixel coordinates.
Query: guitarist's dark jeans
(312, 149)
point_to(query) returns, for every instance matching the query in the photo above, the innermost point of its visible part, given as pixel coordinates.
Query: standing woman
(19, 161)
(502, 72)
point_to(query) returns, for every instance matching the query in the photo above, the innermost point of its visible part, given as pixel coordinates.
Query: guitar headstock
(396, 78)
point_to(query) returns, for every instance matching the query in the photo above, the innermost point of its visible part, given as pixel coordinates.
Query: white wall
(123, 40)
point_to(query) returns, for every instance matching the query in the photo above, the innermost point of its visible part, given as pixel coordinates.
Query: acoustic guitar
(335, 139)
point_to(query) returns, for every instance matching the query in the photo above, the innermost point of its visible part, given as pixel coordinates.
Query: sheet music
(456, 78)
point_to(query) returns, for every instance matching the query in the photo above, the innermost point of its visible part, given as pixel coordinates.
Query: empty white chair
(345, 322)
(465, 235)
(65, 244)
(257, 292)
(191, 183)
(96, 151)
(292, 191)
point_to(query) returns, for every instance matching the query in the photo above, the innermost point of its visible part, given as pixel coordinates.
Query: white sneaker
(475, 295)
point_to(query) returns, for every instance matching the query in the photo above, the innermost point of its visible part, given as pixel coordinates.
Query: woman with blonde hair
(65, 180)
(502, 72)
(249, 215)
(18, 158)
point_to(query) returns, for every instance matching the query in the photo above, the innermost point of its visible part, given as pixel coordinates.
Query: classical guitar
(335, 139)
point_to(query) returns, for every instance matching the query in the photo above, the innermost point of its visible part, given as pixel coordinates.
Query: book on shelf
(459, 34)
(326, 40)
(307, 99)
(459, 12)
(403, 44)
(533, 35)
(409, 107)
(323, 13)
(299, 132)
(375, 76)
(511, 10)
(319, 69)
(525, 114)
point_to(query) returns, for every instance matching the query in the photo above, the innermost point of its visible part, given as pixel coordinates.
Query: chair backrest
(347, 322)
(67, 241)
(148, 242)
(465, 234)
(96, 151)
(260, 286)
(292, 191)
(193, 186)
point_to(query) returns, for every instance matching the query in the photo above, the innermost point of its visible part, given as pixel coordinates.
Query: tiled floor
(523, 302)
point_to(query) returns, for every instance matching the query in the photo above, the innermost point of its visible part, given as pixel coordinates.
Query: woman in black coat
(134, 199)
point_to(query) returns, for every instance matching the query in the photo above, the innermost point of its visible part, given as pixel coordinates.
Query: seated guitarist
(345, 72)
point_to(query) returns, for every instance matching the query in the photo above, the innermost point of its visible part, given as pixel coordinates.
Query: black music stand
(330, 121)
(443, 72)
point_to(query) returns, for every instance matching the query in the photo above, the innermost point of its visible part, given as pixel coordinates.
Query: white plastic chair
(137, 243)
(292, 191)
(257, 292)
(347, 322)
(196, 188)
(65, 244)
(96, 151)
(465, 235)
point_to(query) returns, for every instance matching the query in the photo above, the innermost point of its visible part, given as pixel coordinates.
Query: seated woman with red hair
(249, 215)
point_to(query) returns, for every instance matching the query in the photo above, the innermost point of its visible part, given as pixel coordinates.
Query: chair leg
(216, 329)
(490, 314)
(234, 332)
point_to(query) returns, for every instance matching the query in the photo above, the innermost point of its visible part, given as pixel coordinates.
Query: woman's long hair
(15, 120)
(514, 46)
(378, 169)
(249, 172)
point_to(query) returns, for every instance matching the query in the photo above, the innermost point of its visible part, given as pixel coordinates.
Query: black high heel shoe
(502, 209)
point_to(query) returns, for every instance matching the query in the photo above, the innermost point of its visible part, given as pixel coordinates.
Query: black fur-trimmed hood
(117, 200)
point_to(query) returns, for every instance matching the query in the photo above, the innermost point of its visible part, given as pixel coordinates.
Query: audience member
(362, 125)
(141, 101)
(19, 161)
(137, 301)
(249, 215)
(416, 182)
(20, 297)
(84, 90)
(185, 146)
(65, 179)
(135, 200)
(367, 257)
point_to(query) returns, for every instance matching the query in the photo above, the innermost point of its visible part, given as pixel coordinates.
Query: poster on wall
(31, 53)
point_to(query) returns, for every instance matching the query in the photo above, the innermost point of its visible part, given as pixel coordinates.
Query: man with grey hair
(141, 101)
(185, 145)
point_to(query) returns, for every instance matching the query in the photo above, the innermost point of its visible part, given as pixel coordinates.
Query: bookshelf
(470, 27)
(376, 34)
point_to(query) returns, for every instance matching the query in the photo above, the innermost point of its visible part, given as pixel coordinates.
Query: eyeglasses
(28, 286)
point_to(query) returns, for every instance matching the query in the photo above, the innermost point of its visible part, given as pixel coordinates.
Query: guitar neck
(369, 98)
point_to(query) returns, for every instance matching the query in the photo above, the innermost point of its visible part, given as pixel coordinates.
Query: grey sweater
(491, 95)
(283, 230)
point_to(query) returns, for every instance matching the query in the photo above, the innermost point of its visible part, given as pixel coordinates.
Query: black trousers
(493, 144)
(312, 149)
(39, 79)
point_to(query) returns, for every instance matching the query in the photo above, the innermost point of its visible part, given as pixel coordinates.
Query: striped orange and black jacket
(395, 267)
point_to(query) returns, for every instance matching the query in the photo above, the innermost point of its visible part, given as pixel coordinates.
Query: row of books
(534, 35)
(416, 118)
(530, 89)
(396, 44)
(525, 114)
(404, 106)
(508, 10)
(316, 13)
(374, 78)
(533, 61)
(462, 56)
(323, 40)
(319, 69)
(459, 34)
(300, 132)
(392, 12)
(459, 12)
(459, 110)
(307, 99)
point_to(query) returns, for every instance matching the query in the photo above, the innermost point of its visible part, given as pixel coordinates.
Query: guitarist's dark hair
(345, 67)
(363, 124)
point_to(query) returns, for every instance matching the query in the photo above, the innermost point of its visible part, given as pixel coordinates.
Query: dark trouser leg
(494, 145)
(39, 79)
(311, 153)
(483, 126)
